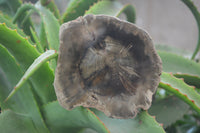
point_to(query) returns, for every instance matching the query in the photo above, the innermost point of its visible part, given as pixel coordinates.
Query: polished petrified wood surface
(107, 64)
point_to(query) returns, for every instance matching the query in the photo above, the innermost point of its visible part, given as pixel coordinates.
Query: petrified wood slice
(107, 64)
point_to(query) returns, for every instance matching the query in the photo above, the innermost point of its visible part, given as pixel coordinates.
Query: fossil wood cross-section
(108, 64)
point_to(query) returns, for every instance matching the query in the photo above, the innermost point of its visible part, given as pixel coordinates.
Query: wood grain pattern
(107, 64)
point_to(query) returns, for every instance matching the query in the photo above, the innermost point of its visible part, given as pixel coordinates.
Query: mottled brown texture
(107, 64)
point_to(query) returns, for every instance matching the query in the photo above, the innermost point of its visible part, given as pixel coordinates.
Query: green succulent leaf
(129, 11)
(50, 23)
(107, 7)
(180, 89)
(113, 8)
(22, 11)
(143, 123)
(4, 7)
(188, 124)
(23, 101)
(77, 8)
(2, 1)
(50, 54)
(172, 49)
(28, 15)
(25, 54)
(9, 7)
(43, 37)
(196, 14)
(178, 64)
(14, 6)
(37, 41)
(23, 19)
(181, 67)
(12, 26)
(172, 107)
(51, 26)
(190, 79)
(60, 120)
(51, 6)
(11, 122)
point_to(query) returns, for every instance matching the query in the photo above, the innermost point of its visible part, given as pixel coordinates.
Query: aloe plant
(28, 58)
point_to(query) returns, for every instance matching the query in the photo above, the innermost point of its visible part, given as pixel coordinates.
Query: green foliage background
(28, 61)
